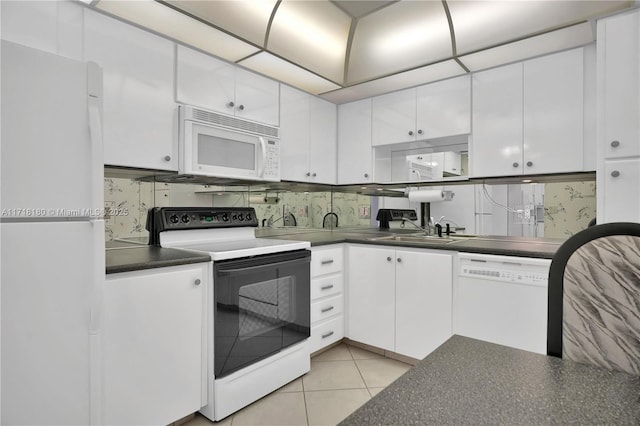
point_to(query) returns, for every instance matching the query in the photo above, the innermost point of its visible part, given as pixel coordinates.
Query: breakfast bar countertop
(467, 381)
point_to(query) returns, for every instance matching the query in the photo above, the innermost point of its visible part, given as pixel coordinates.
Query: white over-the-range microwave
(222, 146)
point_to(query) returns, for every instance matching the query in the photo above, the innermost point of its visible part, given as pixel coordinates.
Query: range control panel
(174, 218)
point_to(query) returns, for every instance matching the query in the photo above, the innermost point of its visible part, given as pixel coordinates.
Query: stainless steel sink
(421, 238)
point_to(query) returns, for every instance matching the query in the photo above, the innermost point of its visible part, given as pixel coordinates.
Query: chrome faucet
(425, 230)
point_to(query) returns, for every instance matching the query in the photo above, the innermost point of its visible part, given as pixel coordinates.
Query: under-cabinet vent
(231, 122)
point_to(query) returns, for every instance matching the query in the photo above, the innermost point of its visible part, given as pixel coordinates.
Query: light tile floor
(341, 380)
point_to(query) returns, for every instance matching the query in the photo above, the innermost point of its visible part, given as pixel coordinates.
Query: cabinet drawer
(326, 286)
(326, 308)
(326, 261)
(326, 333)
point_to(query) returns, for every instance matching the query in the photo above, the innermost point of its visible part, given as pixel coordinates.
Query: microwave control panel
(272, 160)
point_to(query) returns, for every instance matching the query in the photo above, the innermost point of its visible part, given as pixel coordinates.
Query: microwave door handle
(263, 162)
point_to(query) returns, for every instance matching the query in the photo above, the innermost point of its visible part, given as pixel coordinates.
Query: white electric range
(259, 311)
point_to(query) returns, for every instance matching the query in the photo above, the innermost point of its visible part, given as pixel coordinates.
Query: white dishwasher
(502, 299)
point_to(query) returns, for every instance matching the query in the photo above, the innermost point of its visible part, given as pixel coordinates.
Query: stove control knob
(225, 217)
(240, 217)
(185, 218)
(174, 218)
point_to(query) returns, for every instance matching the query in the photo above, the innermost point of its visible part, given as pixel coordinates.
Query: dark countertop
(543, 248)
(133, 255)
(467, 381)
(127, 257)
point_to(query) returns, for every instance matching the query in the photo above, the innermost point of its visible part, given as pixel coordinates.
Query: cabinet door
(204, 81)
(423, 302)
(294, 134)
(139, 111)
(618, 52)
(371, 296)
(394, 118)
(322, 141)
(153, 345)
(51, 26)
(497, 122)
(257, 98)
(553, 113)
(31, 23)
(621, 195)
(444, 108)
(354, 142)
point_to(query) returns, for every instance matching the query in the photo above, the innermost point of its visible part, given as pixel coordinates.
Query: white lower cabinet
(399, 300)
(327, 300)
(154, 345)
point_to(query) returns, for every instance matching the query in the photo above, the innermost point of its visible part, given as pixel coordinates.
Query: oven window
(262, 305)
(223, 152)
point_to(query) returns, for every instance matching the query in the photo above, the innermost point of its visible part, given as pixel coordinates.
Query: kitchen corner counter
(467, 381)
(127, 257)
(543, 248)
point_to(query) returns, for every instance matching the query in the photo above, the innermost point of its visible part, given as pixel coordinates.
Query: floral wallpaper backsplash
(132, 199)
(310, 208)
(568, 208)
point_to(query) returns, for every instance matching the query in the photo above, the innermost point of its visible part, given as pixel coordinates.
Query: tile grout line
(304, 397)
(360, 373)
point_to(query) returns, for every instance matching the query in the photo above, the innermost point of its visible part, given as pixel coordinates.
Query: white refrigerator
(51, 238)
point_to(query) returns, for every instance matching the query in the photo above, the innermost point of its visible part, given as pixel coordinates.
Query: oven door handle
(229, 270)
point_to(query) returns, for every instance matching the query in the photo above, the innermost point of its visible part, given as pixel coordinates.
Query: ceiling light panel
(312, 34)
(279, 69)
(565, 38)
(415, 77)
(482, 24)
(247, 19)
(359, 8)
(404, 35)
(167, 21)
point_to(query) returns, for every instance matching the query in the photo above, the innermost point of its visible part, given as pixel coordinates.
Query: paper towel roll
(426, 195)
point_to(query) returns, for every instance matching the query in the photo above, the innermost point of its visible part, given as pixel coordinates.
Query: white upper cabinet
(431, 111)
(394, 118)
(323, 130)
(497, 121)
(444, 108)
(619, 53)
(307, 138)
(294, 134)
(216, 85)
(553, 113)
(51, 26)
(529, 117)
(139, 111)
(354, 142)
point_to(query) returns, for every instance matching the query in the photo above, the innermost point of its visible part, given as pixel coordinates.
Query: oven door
(262, 305)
